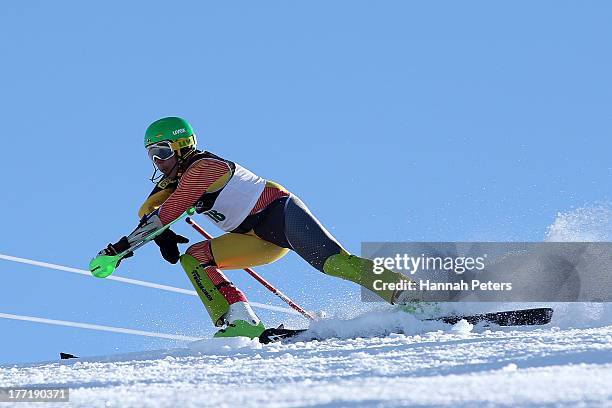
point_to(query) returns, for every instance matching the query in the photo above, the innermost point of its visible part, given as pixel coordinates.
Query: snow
(462, 326)
(355, 362)
(368, 355)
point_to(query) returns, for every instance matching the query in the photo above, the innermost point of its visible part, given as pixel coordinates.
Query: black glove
(168, 245)
(117, 248)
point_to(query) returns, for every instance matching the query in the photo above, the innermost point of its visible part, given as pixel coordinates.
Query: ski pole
(104, 265)
(257, 276)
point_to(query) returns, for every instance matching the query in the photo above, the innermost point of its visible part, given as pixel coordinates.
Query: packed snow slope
(357, 361)
(368, 356)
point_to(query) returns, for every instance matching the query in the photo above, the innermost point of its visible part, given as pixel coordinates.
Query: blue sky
(393, 121)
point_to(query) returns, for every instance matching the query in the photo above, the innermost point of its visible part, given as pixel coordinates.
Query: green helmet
(173, 129)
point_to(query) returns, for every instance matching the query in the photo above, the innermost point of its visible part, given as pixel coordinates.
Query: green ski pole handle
(104, 265)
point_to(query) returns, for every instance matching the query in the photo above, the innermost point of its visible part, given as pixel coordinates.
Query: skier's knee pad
(215, 303)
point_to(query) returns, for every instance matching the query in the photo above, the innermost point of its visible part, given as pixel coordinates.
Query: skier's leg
(214, 300)
(239, 251)
(225, 303)
(289, 223)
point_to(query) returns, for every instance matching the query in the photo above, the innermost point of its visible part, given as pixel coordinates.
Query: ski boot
(241, 322)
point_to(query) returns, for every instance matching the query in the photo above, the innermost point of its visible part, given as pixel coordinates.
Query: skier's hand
(168, 245)
(117, 248)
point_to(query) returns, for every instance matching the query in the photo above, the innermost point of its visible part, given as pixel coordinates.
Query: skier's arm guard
(148, 224)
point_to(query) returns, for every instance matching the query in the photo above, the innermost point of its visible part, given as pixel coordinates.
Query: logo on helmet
(178, 131)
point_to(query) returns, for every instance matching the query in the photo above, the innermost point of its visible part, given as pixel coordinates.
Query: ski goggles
(160, 151)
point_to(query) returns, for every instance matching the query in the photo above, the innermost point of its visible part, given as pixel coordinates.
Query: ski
(273, 335)
(522, 317)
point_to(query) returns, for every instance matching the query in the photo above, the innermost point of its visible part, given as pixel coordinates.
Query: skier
(263, 221)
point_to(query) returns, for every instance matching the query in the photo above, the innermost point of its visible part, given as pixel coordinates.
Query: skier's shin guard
(216, 304)
(361, 271)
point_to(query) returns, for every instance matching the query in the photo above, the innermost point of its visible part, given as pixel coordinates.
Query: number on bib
(216, 216)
